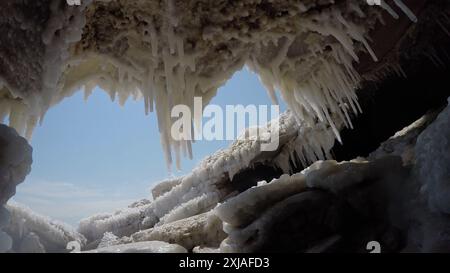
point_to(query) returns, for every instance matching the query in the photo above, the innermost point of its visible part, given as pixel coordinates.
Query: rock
(5, 242)
(200, 230)
(15, 164)
(141, 247)
(165, 186)
(404, 141)
(31, 244)
(15, 161)
(433, 161)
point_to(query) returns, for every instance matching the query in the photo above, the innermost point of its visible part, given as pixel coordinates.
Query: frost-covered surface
(306, 145)
(109, 239)
(246, 207)
(379, 188)
(337, 176)
(201, 230)
(250, 237)
(141, 247)
(167, 52)
(396, 188)
(121, 223)
(326, 196)
(248, 218)
(433, 161)
(240, 214)
(40, 32)
(32, 232)
(165, 186)
(209, 183)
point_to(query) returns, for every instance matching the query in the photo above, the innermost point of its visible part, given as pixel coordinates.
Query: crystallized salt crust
(167, 52)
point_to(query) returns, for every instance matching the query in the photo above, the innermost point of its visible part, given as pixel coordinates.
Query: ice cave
(364, 147)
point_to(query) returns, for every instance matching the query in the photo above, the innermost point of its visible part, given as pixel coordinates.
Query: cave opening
(91, 156)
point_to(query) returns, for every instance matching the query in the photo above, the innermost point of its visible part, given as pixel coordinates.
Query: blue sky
(95, 156)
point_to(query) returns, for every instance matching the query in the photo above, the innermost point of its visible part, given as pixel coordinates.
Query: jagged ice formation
(167, 52)
(211, 181)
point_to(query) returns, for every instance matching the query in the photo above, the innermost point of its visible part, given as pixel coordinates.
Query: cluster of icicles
(318, 86)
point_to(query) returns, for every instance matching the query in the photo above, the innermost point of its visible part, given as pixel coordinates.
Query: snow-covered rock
(31, 244)
(210, 182)
(5, 242)
(121, 223)
(109, 239)
(247, 206)
(251, 217)
(165, 186)
(32, 232)
(203, 230)
(259, 233)
(141, 247)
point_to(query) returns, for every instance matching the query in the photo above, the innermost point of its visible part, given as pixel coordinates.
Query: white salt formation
(201, 230)
(33, 232)
(167, 52)
(141, 247)
(245, 222)
(209, 182)
(248, 218)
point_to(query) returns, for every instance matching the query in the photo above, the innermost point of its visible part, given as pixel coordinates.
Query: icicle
(180, 49)
(388, 8)
(406, 10)
(123, 96)
(356, 34)
(154, 40)
(309, 61)
(31, 125)
(88, 88)
(171, 39)
(17, 119)
(4, 110)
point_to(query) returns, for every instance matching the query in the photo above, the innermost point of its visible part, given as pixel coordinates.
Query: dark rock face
(336, 218)
(15, 161)
(15, 164)
(22, 50)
